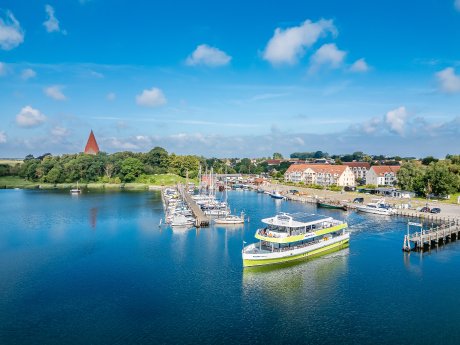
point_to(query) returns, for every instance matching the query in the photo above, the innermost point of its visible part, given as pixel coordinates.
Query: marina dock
(201, 220)
(437, 234)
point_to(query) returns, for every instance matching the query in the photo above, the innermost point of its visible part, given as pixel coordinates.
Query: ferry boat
(379, 206)
(289, 237)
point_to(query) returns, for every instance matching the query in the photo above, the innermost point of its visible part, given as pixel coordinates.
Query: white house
(321, 174)
(382, 175)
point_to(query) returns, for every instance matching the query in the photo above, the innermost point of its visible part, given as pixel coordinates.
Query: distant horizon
(186, 76)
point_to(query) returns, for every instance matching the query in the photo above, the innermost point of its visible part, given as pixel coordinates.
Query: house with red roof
(359, 169)
(321, 174)
(382, 175)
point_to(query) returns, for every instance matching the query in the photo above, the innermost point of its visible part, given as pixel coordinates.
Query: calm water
(96, 269)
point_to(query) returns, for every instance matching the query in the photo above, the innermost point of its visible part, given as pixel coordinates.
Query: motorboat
(378, 206)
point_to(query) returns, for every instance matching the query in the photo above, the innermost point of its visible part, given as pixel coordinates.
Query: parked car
(358, 200)
(435, 210)
(294, 191)
(349, 189)
(425, 209)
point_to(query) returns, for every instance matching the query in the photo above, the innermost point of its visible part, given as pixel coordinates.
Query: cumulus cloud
(111, 96)
(28, 73)
(52, 23)
(208, 56)
(58, 131)
(55, 92)
(396, 119)
(327, 55)
(2, 137)
(359, 66)
(29, 117)
(151, 98)
(288, 45)
(448, 81)
(11, 33)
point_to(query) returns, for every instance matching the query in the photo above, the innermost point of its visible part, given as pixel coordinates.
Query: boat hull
(322, 248)
(382, 212)
(275, 196)
(333, 207)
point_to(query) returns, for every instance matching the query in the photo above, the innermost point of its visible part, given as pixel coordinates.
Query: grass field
(141, 183)
(10, 161)
(162, 179)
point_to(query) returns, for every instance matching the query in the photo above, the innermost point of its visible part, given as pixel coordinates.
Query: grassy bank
(142, 183)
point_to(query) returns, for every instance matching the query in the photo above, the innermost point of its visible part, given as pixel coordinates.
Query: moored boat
(379, 206)
(287, 237)
(230, 219)
(276, 195)
(331, 205)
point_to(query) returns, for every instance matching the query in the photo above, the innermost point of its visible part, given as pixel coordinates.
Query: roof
(381, 170)
(295, 220)
(91, 146)
(274, 161)
(358, 165)
(318, 168)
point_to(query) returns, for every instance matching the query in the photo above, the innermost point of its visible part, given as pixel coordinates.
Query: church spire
(91, 147)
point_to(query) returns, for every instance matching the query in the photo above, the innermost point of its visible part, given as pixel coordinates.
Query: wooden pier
(201, 220)
(437, 234)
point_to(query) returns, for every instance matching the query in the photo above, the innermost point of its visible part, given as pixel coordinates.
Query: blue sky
(230, 79)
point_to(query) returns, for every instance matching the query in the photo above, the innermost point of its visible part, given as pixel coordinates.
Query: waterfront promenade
(310, 195)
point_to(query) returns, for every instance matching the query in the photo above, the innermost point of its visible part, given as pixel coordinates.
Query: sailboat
(231, 219)
(75, 190)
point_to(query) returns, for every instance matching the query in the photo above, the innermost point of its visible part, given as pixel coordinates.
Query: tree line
(431, 176)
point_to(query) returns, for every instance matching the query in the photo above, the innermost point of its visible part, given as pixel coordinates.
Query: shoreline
(310, 195)
(89, 186)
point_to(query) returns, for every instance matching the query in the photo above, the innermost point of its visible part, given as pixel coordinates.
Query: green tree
(277, 155)
(411, 177)
(131, 168)
(439, 180)
(53, 175)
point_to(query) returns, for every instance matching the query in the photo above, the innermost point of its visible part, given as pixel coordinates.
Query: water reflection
(93, 216)
(291, 279)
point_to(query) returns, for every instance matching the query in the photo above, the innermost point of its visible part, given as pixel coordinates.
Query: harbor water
(97, 269)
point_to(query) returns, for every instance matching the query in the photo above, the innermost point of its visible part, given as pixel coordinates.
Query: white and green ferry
(288, 237)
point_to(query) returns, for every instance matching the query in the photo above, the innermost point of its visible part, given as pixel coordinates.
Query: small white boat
(75, 190)
(276, 195)
(379, 206)
(181, 220)
(230, 219)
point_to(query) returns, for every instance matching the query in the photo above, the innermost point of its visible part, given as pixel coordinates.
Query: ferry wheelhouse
(288, 237)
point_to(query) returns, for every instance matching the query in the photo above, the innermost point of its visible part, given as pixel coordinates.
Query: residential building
(321, 174)
(382, 175)
(359, 169)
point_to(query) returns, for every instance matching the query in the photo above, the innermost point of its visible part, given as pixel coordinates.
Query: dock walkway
(201, 219)
(437, 234)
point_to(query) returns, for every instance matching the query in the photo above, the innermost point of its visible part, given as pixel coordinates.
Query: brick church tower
(91, 147)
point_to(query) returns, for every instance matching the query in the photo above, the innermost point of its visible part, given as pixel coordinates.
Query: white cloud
(327, 55)
(11, 33)
(52, 23)
(55, 92)
(151, 98)
(2, 137)
(287, 46)
(448, 81)
(208, 56)
(457, 5)
(396, 119)
(111, 96)
(58, 131)
(359, 65)
(30, 117)
(28, 73)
